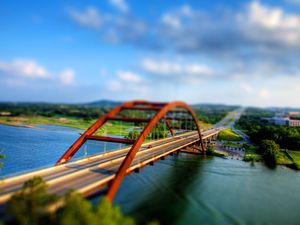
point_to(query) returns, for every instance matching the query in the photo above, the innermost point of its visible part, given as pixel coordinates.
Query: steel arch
(161, 108)
(136, 146)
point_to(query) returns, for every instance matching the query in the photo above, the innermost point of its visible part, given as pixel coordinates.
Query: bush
(269, 150)
(210, 150)
(31, 206)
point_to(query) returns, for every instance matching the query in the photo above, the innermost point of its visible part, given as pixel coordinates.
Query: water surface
(183, 189)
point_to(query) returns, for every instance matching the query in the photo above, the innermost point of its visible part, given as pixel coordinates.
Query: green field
(204, 125)
(229, 135)
(113, 128)
(295, 157)
(252, 155)
(283, 159)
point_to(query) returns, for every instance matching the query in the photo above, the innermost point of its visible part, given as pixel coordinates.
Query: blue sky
(233, 52)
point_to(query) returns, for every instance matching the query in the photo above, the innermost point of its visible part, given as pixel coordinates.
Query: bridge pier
(193, 149)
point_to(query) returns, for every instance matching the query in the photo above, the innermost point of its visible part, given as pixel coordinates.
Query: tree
(159, 131)
(210, 149)
(76, 211)
(108, 214)
(1, 157)
(134, 134)
(28, 206)
(269, 149)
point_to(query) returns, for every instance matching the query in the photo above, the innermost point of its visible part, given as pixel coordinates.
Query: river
(182, 189)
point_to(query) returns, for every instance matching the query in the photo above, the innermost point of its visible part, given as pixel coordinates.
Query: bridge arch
(161, 111)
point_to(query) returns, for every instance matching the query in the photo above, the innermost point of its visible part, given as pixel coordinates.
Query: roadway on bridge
(92, 174)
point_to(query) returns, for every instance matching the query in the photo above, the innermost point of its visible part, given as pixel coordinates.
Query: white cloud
(171, 20)
(25, 68)
(174, 18)
(168, 68)
(120, 5)
(129, 76)
(23, 71)
(186, 10)
(67, 77)
(90, 17)
(265, 23)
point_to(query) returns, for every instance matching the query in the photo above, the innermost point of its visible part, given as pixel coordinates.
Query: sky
(231, 52)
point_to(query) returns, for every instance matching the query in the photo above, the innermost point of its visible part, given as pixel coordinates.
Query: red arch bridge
(156, 131)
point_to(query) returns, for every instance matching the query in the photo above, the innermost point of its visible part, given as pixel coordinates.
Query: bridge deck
(91, 174)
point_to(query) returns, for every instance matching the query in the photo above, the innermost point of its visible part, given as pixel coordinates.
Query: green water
(183, 189)
(188, 190)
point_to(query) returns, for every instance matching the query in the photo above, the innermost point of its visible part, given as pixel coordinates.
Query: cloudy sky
(234, 52)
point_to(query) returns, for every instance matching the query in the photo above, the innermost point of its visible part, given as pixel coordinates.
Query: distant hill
(111, 103)
(214, 106)
(105, 103)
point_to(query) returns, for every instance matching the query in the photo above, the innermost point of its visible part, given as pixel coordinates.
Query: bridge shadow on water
(164, 193)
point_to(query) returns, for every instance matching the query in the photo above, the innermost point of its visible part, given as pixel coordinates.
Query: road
(92, 174)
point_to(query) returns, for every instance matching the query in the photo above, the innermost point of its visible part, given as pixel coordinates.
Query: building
(292, 119)
(294, 123)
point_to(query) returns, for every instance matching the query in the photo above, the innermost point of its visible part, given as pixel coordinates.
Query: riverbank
(113, 128)
(31, 122)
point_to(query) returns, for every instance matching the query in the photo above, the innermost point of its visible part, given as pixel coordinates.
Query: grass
(31, 121)
(229, 135)
(252, 155)
(283, 159)
(220, 154)
(295, 158)
(114, 128)
(204, 125)
(295, 155)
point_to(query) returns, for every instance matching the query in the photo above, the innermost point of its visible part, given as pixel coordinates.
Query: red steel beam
(169, 125)
(110, 139)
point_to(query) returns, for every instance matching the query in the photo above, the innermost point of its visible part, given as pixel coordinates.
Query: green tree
(76, 211)
(31, 206)
(108, 214)
(210, 149)
(159, 131)
(28, 206)
(134, 134)
(269, 149)
(1, 157)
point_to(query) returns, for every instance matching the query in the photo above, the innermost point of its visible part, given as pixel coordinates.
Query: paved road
(93, 173)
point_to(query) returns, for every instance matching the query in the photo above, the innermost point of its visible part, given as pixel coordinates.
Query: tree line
(206, 113)
(258, 129)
